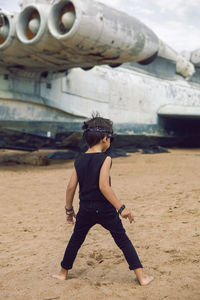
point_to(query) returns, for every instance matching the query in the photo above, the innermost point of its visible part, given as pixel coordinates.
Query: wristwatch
(121, 209)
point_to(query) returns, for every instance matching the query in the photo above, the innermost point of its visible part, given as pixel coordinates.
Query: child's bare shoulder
(107, 162)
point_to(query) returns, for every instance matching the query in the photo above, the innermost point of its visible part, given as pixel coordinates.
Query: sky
(176, 22)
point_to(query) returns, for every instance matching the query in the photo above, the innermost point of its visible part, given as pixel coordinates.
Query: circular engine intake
(31, 24)
(61, 18)
(7, 29)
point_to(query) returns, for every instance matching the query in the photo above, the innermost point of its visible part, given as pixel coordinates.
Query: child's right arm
(71, 188)
(107, 191)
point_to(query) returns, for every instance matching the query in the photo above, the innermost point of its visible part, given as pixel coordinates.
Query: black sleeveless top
(88, 166)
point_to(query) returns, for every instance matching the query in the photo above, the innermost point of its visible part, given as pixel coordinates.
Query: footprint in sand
(90, 263)
(97, 256)
(171, 251)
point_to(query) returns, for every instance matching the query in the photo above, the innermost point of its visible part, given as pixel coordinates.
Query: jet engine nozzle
(31, 24)
(62, 18)
(7, 29)
(105, 35)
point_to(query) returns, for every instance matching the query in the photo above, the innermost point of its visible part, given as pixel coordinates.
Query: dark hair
(96, 129)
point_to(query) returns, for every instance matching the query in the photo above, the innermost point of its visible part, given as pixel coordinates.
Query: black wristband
(69, 210)
(121, 209)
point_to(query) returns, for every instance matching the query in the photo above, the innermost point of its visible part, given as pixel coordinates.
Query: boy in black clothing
(98, 202)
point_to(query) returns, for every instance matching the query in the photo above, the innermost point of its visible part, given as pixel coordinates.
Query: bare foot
(57, 276)
(143, 278)
(62, 275)
(146, 280)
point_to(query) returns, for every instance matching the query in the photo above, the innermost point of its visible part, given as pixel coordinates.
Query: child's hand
(127, 214)
(69, 218)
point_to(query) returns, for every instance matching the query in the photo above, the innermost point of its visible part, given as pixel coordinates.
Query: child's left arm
(109, 193)
(71, 188)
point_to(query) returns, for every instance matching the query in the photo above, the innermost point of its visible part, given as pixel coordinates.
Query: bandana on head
(97, 129)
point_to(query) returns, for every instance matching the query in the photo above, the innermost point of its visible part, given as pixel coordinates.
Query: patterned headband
(97, 129)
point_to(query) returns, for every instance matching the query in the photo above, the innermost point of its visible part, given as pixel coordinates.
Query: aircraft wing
(53, 36)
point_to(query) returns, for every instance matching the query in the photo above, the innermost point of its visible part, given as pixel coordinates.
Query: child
(98, 202)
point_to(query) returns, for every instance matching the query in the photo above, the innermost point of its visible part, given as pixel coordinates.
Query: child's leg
(114, 225)
(80, 231)
(82, 226)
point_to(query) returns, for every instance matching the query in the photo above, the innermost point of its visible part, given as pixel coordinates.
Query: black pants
(105, 214)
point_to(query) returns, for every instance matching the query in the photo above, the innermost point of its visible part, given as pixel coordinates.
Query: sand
(163, 191)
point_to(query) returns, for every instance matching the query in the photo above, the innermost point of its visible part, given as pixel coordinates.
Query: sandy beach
(163, 191)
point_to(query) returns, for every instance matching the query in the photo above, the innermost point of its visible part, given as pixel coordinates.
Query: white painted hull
(125, 95)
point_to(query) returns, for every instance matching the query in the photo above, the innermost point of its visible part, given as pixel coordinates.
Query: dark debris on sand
(154, 150)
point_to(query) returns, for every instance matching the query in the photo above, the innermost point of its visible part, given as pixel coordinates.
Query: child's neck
(95, 149)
